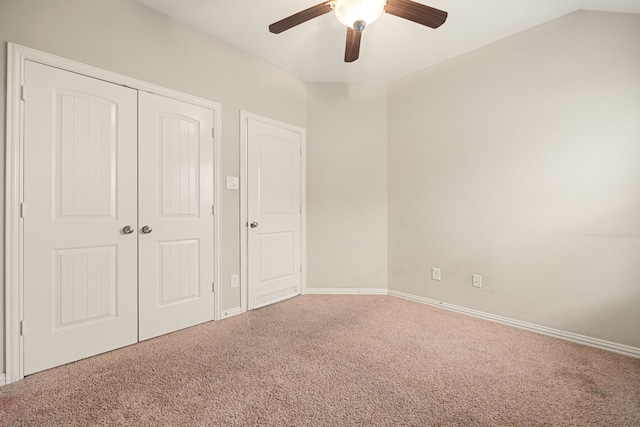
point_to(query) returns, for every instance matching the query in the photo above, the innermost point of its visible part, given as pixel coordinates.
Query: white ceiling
(391, 47)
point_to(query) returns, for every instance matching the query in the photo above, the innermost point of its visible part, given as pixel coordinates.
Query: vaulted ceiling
(391, 47)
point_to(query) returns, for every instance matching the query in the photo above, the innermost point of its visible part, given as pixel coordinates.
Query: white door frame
(13, 280)
(244, 205)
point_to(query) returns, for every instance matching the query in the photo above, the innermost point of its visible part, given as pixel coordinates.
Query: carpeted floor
(320, 360)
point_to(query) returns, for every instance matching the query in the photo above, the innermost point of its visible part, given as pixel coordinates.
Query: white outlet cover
(232, 183)
(435, 273)
(476, 280)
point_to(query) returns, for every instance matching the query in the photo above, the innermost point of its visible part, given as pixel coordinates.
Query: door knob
(146, 229)
(127, 229)
(254, 224)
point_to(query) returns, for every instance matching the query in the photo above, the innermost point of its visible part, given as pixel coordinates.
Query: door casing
(13, 297)
(244, 194)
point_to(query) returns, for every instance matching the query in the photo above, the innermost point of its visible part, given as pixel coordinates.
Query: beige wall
(347, 186)
(128, 38)
(521, 162)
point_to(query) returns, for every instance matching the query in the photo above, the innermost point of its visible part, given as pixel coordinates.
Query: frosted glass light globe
(350, 11)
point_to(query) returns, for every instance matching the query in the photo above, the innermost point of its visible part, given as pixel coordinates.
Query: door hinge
(22, 328)
(213, 209)
(22, 95)
(22, 209)
(213, 287)
(301, 268)
(213, 133)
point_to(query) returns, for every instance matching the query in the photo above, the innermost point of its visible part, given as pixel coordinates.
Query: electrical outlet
(233, 183)
(476, 280)
(235, 280)
(435, 273)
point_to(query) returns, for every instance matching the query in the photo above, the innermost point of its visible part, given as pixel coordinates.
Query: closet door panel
(80, 269)
(176, 204)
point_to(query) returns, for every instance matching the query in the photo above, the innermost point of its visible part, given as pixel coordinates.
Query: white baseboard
(3, 380)
(567, 336)
(231, 312)
(345, 291)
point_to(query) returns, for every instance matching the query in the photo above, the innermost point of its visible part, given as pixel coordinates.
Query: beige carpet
(337, 361)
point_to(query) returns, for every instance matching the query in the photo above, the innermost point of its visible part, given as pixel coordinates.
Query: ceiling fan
(356, 15)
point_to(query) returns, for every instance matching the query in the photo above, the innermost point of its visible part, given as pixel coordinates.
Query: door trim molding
(244, 205)
(13, 298)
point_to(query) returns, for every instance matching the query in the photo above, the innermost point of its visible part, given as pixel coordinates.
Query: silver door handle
(146, 229)
(254, 224)
(128, 229)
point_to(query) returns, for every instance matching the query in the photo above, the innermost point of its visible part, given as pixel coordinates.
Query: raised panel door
(80, 269)
(274, 202)
(176, 203)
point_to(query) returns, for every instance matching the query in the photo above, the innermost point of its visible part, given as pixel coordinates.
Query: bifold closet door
(176, 240)
(80, 217)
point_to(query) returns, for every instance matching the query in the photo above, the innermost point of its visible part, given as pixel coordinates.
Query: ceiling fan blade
(416, 12)
(352, 51)
(300, 17)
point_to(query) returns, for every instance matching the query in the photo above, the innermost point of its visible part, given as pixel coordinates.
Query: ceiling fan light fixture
(356, 15)
(350, 12)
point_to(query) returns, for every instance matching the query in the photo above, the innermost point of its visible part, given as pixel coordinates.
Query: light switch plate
(232, 183)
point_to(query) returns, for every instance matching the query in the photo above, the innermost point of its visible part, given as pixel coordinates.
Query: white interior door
(176, 202)
(273, 213)
(80, 268)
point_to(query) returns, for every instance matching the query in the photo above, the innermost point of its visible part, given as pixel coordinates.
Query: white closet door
(273, 212)
(80, 269)
(176, 203)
